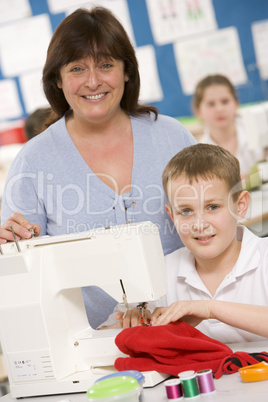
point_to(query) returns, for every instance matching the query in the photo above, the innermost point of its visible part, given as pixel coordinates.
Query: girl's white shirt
(246, 156)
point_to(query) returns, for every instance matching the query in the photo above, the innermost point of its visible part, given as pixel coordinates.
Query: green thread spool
(189, 384)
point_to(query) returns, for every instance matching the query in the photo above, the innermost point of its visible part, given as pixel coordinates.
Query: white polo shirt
(246, 283)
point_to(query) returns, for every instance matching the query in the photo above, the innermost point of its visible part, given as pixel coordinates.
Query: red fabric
(174, 348)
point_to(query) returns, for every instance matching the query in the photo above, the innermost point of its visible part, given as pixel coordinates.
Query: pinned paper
(14, 9)
(118, 7)
(216, 52)
(260, 40)
(32, 91)
(174, 19)
(23, 44)
(151, 89)
(10, 107)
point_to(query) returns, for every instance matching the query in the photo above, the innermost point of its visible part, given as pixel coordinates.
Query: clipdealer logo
(70, 199)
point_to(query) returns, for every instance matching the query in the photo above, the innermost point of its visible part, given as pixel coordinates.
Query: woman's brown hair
(91, 33)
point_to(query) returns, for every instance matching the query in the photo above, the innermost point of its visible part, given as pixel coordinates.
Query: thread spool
(189, 384)
(173, 389)
(205, 381)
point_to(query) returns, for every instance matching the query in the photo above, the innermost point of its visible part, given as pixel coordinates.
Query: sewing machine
(48, 344)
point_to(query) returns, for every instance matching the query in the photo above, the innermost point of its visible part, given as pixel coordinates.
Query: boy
(219, 280)
(222, 266)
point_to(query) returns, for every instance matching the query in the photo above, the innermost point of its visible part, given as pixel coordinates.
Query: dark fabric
(178, 347)
(239, 359)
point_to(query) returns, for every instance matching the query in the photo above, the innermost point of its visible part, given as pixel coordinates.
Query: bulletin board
(177, 42)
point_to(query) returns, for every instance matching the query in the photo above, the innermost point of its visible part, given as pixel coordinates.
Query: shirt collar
(249, 256)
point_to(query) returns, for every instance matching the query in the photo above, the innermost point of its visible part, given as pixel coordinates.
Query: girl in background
(215, 103)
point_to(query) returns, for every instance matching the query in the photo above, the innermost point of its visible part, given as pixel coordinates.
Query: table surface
(228, 387)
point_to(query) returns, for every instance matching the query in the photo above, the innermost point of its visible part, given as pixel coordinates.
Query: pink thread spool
(173, 389)
(205, 381)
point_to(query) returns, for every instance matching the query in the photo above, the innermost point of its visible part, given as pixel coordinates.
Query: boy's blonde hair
(216, 79)
(207, 162)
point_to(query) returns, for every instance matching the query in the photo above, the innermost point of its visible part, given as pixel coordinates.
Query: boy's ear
(169, 212)
(243, 204)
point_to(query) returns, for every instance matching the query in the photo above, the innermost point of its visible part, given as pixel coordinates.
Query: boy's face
(205, 215)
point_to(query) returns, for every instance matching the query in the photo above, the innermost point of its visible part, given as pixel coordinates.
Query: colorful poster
(215, 52)
(174, 19)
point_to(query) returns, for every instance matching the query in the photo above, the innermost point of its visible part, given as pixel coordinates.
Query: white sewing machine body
(48, 345)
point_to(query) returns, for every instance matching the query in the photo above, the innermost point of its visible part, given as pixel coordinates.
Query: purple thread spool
(173, 389)
(205, 381)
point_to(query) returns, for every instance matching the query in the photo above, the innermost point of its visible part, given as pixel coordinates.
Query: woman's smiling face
(94, 89)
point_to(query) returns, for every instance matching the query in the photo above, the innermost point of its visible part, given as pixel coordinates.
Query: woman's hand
(21, 228)
(132, 318)
(192, 312)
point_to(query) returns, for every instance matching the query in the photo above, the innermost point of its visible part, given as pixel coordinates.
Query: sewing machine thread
(189, 384)
(205, 381)
(173, 389)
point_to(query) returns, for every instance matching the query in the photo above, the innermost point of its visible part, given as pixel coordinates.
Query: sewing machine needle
(142, 313)
(124, 298)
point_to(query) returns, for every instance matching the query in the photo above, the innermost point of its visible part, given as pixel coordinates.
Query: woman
(100, 161)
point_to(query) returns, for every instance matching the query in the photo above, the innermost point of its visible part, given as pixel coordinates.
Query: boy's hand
(132, 318)
(192, 312)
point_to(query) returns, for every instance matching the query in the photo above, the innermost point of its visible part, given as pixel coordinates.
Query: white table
(229, 388)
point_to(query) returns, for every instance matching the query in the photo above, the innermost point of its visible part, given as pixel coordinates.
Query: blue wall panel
(237, 13)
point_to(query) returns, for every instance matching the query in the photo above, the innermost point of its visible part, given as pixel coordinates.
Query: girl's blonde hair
(216, 79)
